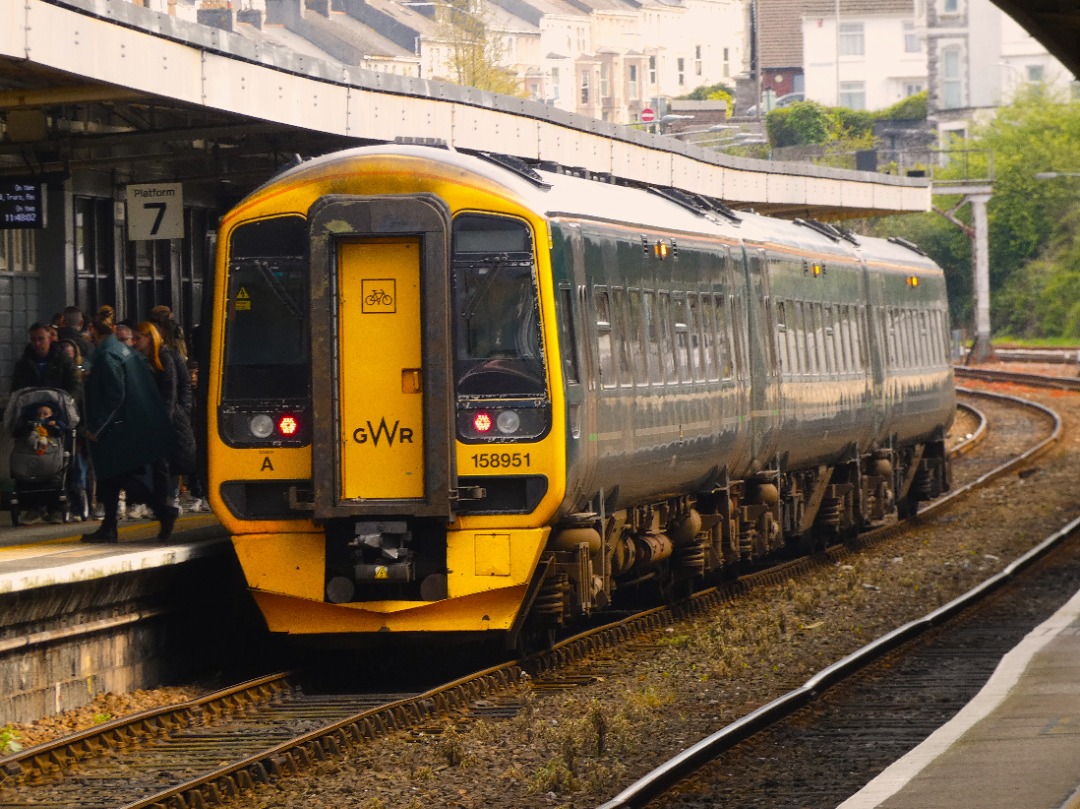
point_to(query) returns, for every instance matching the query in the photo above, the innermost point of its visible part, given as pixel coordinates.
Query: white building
(868, 57)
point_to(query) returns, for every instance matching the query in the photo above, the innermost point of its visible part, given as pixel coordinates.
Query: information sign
(21, 203)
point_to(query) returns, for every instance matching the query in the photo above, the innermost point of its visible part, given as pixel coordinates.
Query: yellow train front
(383, 446)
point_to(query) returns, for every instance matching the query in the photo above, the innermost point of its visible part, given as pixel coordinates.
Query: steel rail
(1034, 380)
(59, 753)
(661, 778)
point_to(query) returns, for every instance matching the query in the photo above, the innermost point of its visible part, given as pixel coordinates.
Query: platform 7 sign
(155, 211)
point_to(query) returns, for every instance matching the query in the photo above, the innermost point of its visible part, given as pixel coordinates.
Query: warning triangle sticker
(242, 295)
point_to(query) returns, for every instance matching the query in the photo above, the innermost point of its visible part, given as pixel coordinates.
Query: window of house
(912, 44)
(632, 81)
(680, 65)
(605, 81)
(555, 83)
(585, 86)
(950, 6)
(652, 70)
(852, 39)
(1035, 73)
(951, 79)
(697, 60)
(913, 87)
(853, 95)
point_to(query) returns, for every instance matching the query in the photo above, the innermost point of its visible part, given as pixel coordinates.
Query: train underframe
(595, 560)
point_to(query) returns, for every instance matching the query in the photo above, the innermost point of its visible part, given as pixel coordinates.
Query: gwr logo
(375, 434)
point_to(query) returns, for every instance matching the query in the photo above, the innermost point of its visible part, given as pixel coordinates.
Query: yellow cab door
(383, 441)
(380, 369)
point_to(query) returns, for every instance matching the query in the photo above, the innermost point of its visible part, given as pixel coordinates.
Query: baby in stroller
(42, 429)
(42, 421)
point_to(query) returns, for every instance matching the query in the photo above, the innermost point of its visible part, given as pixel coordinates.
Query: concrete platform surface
(1016, 745)
(46, 554)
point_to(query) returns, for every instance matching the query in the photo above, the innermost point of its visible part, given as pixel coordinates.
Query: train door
(382, 441)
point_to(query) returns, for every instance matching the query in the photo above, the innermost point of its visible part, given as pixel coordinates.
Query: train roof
(555, 193)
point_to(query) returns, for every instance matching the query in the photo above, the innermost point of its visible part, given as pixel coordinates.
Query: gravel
(575, 748)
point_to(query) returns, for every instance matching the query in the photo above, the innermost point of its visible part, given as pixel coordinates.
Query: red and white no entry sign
(648, 116)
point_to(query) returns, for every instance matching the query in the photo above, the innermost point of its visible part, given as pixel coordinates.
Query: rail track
(265, 729)
(871, 707)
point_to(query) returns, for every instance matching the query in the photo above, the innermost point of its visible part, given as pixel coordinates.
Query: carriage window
(498, 348)
(653, 328)
(697, 355)
(603, 335)
(828, 343)
(623, 333)
(638, 334)
(570, 350)
(782, 335)
(667, 344)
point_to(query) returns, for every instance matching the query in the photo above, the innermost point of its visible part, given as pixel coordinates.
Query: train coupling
(385, 551)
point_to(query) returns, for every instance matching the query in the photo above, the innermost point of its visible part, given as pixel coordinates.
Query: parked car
(782, 101)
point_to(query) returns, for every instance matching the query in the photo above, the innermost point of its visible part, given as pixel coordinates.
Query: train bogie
(457, 395)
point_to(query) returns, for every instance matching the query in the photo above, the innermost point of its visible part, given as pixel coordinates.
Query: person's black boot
(167, 520)
(106, 533)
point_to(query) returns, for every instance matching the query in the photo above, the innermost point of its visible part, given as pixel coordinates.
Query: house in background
(862, 54)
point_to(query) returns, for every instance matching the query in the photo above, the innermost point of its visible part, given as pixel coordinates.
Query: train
(460, 395)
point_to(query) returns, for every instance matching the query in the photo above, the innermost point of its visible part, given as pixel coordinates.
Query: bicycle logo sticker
(378, 296)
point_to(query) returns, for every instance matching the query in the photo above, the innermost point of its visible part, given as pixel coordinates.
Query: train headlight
(261, 425)
(508, 422)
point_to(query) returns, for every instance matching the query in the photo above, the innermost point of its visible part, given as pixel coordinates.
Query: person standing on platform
(44, 365)
(129, 432)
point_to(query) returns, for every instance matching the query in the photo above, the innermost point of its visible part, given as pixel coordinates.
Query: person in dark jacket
(72, 329)
(129, 432)
(174, 385)
(44, 365)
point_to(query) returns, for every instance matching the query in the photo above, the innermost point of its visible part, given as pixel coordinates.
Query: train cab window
(603, 338)
(498, 349)
(267, 348)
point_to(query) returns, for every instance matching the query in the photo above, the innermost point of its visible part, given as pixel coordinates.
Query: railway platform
(78, 619)
(1016, 744)
(48, 554)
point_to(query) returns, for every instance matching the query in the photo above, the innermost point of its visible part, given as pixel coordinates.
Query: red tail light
(482, 422)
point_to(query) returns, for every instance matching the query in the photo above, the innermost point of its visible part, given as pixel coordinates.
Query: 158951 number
(501, 460)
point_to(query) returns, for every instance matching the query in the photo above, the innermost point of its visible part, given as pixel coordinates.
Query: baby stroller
(42, 422)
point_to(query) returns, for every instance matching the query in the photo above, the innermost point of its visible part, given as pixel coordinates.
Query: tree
(475, 48)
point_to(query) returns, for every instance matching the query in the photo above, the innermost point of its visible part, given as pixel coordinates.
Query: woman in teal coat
(129, 433)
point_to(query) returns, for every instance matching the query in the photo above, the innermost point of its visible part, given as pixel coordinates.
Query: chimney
(216, 14)
(251, 16)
